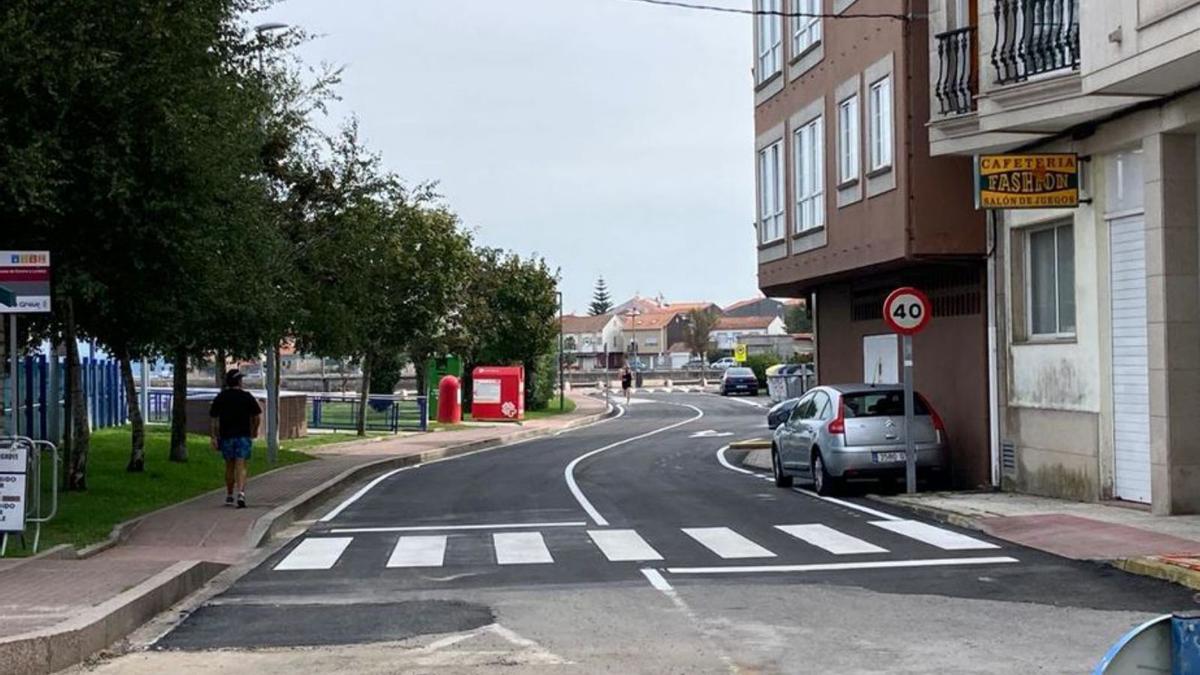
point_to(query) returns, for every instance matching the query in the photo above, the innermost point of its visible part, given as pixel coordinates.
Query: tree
(701, 323)
(601, 301)
(797, 318)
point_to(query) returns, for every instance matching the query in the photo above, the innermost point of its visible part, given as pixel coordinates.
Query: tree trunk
(137, 445)
(68, 433)
(360, 424)
(81, 436)
(219, 368)
(422, 384)
(179, 451)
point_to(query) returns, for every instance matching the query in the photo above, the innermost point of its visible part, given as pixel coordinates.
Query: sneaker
(241, 500)
(228, 500)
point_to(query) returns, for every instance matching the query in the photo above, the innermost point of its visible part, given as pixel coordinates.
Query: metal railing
(1034, 37)
(339, 412)
(955, 88)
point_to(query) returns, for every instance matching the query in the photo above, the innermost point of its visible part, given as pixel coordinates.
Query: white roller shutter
(1130, 365)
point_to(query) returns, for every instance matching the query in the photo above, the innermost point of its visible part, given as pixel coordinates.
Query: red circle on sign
(906, 310)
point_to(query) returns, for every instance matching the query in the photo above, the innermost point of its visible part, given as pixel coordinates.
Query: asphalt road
(639, 545)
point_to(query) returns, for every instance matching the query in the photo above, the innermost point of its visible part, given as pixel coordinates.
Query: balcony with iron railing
(957, 80)
(1034, 37)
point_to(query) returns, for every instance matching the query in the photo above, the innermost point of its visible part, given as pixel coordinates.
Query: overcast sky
(610, 137)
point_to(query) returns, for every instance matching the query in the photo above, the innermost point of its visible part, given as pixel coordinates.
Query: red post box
(498, 393)
(449, 406)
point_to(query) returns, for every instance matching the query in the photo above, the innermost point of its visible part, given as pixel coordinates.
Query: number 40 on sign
(906, 311)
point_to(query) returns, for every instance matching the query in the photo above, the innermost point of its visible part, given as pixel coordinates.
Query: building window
(1050, 269)
(879, 115)
(848, 139)
(806, 30)
(810, 175)
(770, 187)
(769, 24)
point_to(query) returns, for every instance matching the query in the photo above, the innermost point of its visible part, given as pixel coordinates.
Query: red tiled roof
(585, 324)
(648, 321)
(744, 322)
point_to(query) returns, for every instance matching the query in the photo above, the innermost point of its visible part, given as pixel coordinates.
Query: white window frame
(879, 122)
(768, 33)
(806, 30)
(808, 153)
(1058, 333)
(771, 192)
(849, 139)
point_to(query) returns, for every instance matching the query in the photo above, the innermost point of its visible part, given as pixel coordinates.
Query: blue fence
(101, 386)
(334, 412)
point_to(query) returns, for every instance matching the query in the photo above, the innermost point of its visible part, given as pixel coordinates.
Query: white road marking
(710, 433)
(656, 580)
(745, 402)
(836, 567)
(725, 463)
(850, 505)
(935, 536)
(727, 543)
(521, 548)
(623, 545)
(569, 472)
(426, 551)
(315, 553)
(449, 528)
(837, 543)
(369, 486)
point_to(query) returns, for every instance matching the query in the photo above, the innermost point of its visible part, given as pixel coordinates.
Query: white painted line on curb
(423, 551)
(447, 528)
(834, 541)
(725, 463)
(837, 567)
(656, 580)
(521, 548)
(727, 543)
(569, 472)
(850, 505)
(623, 545)
(934, 536)
(315, 553)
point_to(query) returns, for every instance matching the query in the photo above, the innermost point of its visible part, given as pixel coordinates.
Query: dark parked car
(779, 413)
(739, 380)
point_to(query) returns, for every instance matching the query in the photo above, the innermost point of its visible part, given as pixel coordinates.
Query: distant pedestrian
(235, 414)
(626, 383)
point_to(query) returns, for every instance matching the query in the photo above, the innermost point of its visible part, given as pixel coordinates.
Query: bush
(759, 364)
(542, 382)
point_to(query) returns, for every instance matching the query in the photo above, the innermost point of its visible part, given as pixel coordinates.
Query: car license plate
(886, 457)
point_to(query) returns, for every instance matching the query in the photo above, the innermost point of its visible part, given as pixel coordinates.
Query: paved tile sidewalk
(41, 593)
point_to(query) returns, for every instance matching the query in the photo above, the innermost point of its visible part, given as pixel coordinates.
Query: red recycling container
(498, 393)
(449, 406)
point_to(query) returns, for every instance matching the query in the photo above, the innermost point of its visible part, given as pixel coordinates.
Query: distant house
(730, 328)
(589, 339)
(651, 334)
(761, 306)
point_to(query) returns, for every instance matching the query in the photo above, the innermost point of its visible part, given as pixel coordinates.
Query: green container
(437, 368)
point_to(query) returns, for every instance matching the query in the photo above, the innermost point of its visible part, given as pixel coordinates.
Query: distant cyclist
(235, 414)
(626, 383)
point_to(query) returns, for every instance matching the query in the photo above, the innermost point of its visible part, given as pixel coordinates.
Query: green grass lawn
(114, 496)
(551, 409)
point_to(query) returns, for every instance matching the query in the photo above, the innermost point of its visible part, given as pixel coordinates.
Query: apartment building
(850, 204)
(1096, 309)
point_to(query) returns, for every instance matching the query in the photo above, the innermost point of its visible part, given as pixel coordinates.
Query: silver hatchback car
(852, 431)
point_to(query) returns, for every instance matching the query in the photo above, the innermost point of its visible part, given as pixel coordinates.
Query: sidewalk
(57, 611)
(1128, 537)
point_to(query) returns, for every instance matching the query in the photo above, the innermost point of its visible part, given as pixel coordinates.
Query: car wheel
(823, 484)
(781, 478)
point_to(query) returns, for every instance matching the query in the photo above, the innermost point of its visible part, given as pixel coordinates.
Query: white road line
(849, 505)
(315, 553)
(745, 402)
(623, 545)
(656, 580)
(369, 486)
(569, 472)
(521, 548)
(836, 567)
(727, 543)
(837, 543)
(725, 463)
(449, 528)
(935, 536)
(426, 551)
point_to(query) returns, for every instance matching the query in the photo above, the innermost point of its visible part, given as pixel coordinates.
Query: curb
(933, 513)
(751, 444)
(1150, 567)
(70, 642)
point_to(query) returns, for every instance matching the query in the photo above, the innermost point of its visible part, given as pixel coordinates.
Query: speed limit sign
(906, 311)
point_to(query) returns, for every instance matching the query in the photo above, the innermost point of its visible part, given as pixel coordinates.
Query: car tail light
(837, 425)
(938, 425)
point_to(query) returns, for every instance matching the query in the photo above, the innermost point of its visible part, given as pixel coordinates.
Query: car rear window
(887, 403)
(740, 372)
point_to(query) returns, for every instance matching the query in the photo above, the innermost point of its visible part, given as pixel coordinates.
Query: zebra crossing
(419, 548)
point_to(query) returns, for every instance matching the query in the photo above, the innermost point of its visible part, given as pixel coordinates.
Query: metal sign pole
(15, 364)
(910, 446)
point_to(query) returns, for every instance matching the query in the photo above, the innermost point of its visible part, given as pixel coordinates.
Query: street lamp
(561, 376)
(634, 313)
(261, 30)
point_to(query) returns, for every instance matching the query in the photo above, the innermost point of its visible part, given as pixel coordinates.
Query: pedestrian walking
(626, 383)
(235, 414)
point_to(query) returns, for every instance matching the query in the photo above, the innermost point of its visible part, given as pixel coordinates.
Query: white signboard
(486, 391)
(12, 502)
(14, 458)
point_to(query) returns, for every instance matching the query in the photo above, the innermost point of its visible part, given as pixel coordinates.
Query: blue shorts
(237, 447)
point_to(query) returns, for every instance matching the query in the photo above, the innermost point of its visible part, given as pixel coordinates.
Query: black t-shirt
(234, 408)
(626, 380)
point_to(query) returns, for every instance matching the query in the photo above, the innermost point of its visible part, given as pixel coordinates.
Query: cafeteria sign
(1034, 181)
